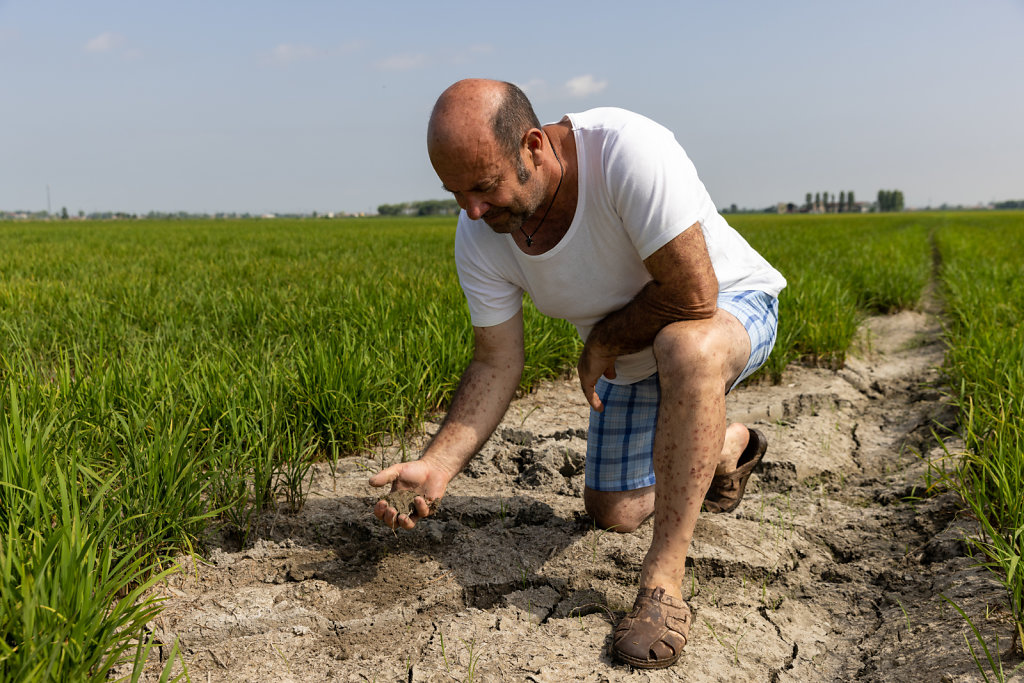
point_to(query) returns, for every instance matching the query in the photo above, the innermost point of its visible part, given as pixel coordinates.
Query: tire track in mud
(830, 569)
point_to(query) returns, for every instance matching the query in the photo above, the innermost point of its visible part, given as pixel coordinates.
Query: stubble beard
(506, 220)
(515, 216)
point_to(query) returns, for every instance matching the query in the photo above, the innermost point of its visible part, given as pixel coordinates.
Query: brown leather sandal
(726, 490)
(653, 635)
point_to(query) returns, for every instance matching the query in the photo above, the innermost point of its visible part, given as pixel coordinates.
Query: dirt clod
(403, 501)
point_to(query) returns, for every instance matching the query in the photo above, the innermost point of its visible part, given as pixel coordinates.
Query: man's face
(489, 185)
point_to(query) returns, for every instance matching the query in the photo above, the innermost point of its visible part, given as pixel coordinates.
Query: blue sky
(321, 106)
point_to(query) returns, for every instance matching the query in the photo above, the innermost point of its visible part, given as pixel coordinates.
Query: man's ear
(533, 140)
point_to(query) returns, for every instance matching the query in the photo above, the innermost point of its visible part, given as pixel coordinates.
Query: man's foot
(727, 490)
(653, 634)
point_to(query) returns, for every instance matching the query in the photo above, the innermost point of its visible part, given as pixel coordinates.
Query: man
(602, 219)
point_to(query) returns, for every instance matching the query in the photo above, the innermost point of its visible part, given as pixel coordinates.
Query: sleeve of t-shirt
(653, 184)
(492, 299)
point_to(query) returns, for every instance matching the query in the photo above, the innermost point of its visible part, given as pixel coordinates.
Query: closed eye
(483, 187)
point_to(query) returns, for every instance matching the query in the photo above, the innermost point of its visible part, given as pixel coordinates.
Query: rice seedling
(444, 655)
(995, 663)
(474, 658)
(734, 648)
(73, 603)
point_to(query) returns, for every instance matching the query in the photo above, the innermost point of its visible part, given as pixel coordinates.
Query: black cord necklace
(561, 175)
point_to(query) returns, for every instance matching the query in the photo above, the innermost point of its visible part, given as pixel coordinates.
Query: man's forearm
(634, 326)
(479, 404)
(684, 287)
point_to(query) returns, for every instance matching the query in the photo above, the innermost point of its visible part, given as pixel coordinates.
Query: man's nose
(476, 207)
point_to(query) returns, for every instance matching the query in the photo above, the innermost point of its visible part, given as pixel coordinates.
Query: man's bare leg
(696, 362)
(736, 438)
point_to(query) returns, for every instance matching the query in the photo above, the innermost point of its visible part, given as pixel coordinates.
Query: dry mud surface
(831, 569)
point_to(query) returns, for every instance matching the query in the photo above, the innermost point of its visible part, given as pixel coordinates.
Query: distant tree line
(825, 202)
(820, 202)
(1010, 204)
(429, 207)
(890, 200)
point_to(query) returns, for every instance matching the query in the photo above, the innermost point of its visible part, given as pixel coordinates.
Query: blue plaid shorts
(620, 441)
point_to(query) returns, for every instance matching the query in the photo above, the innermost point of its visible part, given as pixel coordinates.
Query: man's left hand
(594, 362)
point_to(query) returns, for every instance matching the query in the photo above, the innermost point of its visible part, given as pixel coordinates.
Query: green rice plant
(828, 318)
(733, 647)
(444, 655)
(839, 269)
(298, 454)
(474, 658)
(893, 263)
(242, 472)
(72, 605)
(984, 289)
(906, 617)
(163, 490)
(595, 538)
(995, 664)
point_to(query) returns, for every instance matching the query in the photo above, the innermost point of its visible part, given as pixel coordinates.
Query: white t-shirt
(637, 191)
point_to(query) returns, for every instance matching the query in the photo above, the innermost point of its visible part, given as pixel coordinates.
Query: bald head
(475, 112)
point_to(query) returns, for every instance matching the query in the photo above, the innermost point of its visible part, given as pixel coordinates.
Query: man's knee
(619, 511)
(715, 349)
(684, 347)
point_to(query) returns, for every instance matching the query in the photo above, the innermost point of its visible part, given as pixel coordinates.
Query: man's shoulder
(613, 128)
(611, 118)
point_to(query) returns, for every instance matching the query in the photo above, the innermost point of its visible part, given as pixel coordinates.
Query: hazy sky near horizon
(258, 106)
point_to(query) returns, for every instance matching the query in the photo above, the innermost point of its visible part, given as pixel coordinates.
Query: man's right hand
(486, 388)
(421, 476)
(592, 365)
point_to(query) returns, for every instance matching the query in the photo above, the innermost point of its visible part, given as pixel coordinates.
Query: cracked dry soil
(831, 569)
